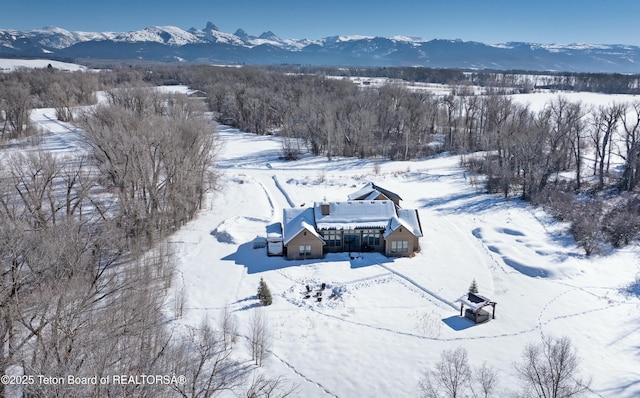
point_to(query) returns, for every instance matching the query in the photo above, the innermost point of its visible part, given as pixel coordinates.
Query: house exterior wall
(399, 236)
(362, 241)
(393, 199)
(304, 238)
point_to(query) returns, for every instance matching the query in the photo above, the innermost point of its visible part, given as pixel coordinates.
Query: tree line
(561, 157)
(25, 89)
(520, 81)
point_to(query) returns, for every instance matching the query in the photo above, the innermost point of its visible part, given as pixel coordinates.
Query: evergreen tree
(264, 294)
(474, 287)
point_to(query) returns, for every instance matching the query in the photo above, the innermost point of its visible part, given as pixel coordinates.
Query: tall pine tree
(264, 294)
(474, 287)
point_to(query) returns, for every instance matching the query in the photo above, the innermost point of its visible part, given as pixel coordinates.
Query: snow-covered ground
(10, 64)
(538, 100)
(391, 318)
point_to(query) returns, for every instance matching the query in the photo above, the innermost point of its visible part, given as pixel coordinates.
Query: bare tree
(604, 124)
(551, 370)
(16, 106)
(566, 130)
(260, 336)
(451, 106)
(484, 381)
(416, 122)
(263, 387)
(527, 138)
(450, 376)
(229, 326)
(630, 118)
(63, 97)
(472, 108)
(207, 362)
(577, 132)
(453, 377)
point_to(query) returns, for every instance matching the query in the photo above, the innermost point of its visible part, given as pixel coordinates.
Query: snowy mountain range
(210, 45)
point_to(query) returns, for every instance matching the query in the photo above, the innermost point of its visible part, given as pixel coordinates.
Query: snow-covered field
(9, 64)
(538, 100)
(391, 318)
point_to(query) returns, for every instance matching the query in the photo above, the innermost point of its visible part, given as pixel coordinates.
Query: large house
(371, 220)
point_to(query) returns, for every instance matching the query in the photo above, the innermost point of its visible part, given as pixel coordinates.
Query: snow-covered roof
(296, 220)
(371, 191)
(362, 192)
(474, 301)
(355, 214)
(274, 232)
(373, 195)
(407, 218)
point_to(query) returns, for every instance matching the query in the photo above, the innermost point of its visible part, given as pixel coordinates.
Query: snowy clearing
(389, 319)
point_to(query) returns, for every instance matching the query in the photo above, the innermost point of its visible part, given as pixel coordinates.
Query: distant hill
(210, 45)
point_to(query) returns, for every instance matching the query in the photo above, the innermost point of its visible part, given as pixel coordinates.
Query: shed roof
(274, 231)
(474, 301)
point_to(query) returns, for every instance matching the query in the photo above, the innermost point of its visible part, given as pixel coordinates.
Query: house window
(352, 239)
(305, 250)
(399, 246)
(333, 238)
(370, 237)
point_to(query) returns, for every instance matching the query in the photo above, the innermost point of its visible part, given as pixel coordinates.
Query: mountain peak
(211, 26)
(241, 33)
(269, 35)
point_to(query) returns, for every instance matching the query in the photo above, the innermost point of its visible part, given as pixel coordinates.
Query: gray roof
(368, 191)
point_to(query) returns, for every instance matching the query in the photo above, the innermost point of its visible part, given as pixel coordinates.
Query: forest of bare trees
(84, 269)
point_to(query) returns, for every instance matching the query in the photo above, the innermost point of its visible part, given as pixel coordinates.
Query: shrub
(622, 223)
(586, 225)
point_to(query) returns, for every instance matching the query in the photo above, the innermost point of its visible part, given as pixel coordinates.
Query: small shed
(475, 304)
(274, 239)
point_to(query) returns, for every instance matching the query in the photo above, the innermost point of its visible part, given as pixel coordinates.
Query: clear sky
(488, 21)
